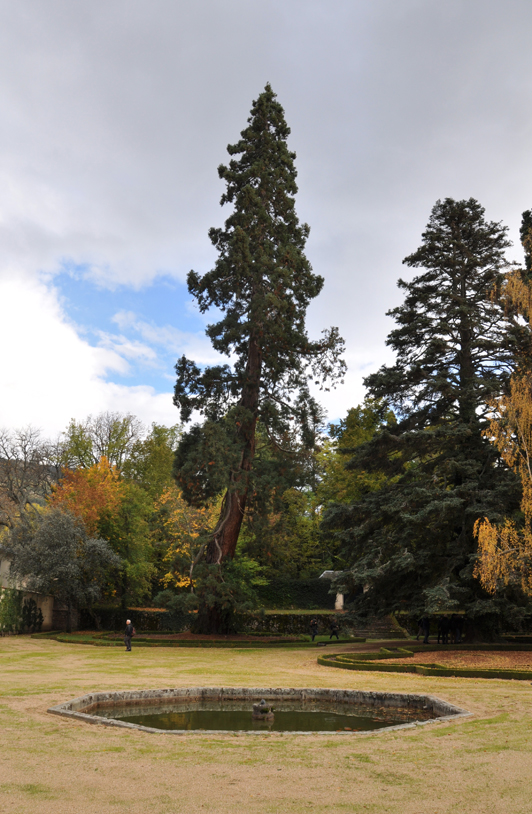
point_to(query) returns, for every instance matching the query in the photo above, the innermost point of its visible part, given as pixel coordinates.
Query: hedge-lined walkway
(506, 661)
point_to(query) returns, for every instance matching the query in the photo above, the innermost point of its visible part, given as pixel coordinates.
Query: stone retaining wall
(86, 707)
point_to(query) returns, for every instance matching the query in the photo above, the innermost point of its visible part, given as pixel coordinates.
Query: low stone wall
(86, 707)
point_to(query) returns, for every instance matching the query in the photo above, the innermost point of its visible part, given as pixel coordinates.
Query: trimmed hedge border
(103, 639)
(160, 620)
(366, 662)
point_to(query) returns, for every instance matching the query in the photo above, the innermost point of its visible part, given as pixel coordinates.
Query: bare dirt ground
(472, 658)
(50, 765)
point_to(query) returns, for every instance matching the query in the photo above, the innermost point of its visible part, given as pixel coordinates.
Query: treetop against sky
(115, 120)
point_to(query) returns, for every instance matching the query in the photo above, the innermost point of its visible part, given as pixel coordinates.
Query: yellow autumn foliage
(184, 527)
(505, 551)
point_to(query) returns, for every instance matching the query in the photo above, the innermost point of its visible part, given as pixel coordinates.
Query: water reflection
(289, 716)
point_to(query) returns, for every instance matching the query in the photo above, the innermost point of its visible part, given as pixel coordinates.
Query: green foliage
(32, 617)
(341, 483)
(10, 610)
(525, 233)
(296, 593)
(109, 435)
(220, 595)
(286, 624)
(204, 460)
(150, 460)
(285, 540)
(54, 555)
(128, 533)
(411, 542)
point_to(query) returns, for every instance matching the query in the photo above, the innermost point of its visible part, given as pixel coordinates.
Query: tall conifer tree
(412, 542)
(262, 283)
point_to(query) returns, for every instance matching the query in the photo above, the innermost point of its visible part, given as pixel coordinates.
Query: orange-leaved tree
(117, 510)
(89, 493)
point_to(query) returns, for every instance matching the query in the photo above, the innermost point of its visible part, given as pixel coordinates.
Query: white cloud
(115, 114)
(128, 348)
(50, 374)
(175, 341)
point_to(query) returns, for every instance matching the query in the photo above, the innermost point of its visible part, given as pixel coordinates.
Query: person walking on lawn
(334, 628)
(128, 633)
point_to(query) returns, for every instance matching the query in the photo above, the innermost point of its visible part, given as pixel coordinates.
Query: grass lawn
(478, 765)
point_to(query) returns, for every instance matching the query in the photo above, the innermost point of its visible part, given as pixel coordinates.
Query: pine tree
(412, 542)
(262, 283)
(525, 233)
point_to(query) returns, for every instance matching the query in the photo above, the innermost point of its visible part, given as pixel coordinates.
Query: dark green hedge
(157, 620)
(106, 640)
(308, 594)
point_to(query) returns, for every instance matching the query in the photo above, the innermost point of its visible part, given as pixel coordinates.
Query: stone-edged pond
(229, 710)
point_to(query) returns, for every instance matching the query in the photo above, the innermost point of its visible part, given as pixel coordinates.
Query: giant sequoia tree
(262, 284)
(412, 542)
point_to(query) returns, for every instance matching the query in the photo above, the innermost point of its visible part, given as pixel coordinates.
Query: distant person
(425, 627)
(445, 626)
(313, 628)
(456, 627)
(128, 633)
(334, 628)
(440, 628)
(419, 629)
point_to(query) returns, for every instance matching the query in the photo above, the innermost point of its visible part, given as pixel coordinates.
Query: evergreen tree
(412, 541)
(525, 233)
(262, 283)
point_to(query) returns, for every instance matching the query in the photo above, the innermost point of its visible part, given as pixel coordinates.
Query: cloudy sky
(114, 115)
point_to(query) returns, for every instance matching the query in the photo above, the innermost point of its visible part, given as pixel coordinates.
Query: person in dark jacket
(334, 628)
(456, 627)
(128, 633)
(313, 628)
(445, 627)
(425, 625)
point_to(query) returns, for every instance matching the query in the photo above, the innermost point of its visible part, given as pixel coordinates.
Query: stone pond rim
(86, 707)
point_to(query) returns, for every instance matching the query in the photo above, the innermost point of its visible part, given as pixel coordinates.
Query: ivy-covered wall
(303, 594)
(156, 620)
(286, 624)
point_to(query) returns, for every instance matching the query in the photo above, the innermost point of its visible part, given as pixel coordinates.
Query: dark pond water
(288, 718)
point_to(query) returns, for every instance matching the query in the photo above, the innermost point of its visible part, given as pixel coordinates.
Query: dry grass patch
(48, 764)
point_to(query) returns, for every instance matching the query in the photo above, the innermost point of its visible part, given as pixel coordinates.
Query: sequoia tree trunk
(222, 545)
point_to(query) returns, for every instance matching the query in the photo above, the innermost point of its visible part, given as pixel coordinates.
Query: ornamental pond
(231, 710)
